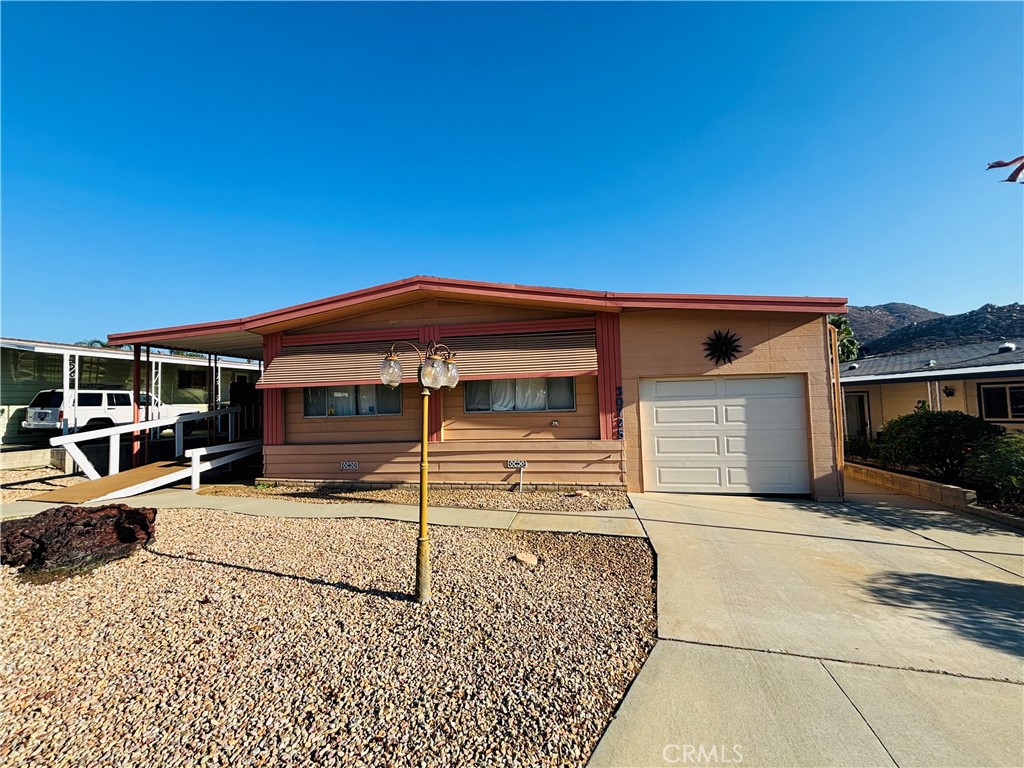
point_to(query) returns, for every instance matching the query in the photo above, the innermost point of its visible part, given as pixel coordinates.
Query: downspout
(837, 399)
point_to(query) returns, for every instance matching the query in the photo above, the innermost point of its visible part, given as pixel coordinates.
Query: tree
(847, 344)
(97, 343)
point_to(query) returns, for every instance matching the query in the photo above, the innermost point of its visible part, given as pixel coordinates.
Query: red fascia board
(176, 331)
(811, 304)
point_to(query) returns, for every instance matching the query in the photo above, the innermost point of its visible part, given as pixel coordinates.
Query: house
(28, 367)
(984, 380)
(587, 388)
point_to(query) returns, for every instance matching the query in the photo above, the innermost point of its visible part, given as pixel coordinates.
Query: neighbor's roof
(972, 360)
(243, 336)
(59, 348)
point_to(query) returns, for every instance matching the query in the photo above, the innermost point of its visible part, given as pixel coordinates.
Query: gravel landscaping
(238, 640)
(439, 496)
(16, 484)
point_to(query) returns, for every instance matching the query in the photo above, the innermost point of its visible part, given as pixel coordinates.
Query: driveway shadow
(891, 517)
(990, 613)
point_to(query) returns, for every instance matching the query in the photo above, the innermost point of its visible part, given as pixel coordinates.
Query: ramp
(126, 483)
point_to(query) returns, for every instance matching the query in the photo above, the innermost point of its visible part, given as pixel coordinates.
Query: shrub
(998, 465)
(938, 443)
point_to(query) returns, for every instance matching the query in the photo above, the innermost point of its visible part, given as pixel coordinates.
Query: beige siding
(435, 312)
(578, 462)
(891, 399)
(669, 343)
(352, 429)
(582, 424)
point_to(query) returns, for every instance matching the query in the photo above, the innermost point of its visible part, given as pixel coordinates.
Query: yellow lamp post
(436, 370)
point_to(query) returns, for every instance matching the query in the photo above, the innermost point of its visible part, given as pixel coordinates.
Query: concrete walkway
(621, 522)
(882, 631)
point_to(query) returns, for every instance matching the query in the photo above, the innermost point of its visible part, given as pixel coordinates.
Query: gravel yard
(16, 484)
(238, 640)
(591, 501)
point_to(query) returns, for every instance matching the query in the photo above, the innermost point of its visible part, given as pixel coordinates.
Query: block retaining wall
(951, 496)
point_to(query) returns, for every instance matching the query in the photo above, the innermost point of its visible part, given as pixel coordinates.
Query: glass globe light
(391, 371)
(433, 374)
(453, 374)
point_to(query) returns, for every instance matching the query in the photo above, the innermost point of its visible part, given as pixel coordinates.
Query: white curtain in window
(314, 401)
(478, 396)
(561, 396)
(341, 401)
(368, 400)
(503, 395)
(531, 394)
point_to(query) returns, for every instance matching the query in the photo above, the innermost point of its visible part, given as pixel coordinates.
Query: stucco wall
(669, 343)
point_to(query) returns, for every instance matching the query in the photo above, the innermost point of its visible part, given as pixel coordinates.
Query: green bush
(937, 443)
(998, 465)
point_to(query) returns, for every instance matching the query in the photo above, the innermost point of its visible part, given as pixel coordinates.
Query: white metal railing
(240, 449)
(70, 442)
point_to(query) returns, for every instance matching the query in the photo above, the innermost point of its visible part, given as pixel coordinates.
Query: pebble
(17, 484)
(238, 640)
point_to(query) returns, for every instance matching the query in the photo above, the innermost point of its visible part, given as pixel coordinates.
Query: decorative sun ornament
(722, 347)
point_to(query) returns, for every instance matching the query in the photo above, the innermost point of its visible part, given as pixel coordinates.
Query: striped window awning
(564, 353)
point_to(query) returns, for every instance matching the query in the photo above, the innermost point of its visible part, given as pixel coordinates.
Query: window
(90, 399)
(48, 398)
(499, 395)
(119, 398)
(361, 400)
(191, 379)
(1002, 402)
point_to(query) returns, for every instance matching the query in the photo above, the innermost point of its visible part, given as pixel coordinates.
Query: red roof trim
(597, 300)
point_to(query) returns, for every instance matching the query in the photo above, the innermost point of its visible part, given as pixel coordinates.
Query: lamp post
(436, 370)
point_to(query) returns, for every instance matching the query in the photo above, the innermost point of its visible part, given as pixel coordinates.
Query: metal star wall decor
(722, 347)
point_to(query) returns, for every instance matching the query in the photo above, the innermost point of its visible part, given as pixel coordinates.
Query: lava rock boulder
(67, 540)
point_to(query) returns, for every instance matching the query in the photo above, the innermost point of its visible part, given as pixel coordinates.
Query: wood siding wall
(559, 462)
(300, 430)
(669, 343)
(437, 312)
(582, 424)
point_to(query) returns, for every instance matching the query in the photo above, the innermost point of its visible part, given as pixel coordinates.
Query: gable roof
(243, 336)
(972, 360)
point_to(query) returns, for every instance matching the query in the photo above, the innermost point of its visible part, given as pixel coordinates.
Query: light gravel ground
(538, 501)
(17, 484)
(246, 641)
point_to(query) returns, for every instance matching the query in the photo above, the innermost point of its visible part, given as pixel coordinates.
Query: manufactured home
(653, 392)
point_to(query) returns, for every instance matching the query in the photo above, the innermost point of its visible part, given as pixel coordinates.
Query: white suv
(94, 409)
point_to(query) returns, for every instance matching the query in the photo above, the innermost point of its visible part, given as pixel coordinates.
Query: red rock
(75, 538)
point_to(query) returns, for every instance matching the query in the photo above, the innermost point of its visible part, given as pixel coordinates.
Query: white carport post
(69, 405)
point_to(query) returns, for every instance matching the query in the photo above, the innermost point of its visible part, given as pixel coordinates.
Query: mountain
(870, 323)
(987, 323)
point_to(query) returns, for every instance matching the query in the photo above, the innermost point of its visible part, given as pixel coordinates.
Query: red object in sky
(1015, 173)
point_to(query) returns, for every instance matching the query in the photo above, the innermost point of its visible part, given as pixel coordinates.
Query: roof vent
(931, 364)
(853, 366)
(1008, 346)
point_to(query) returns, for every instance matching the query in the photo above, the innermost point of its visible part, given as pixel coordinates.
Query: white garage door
(725, 435)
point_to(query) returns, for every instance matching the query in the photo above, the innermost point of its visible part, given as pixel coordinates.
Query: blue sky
(174, 163)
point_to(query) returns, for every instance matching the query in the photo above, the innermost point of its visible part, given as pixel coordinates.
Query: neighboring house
(27, 367)
(984, 380)
(587, 387)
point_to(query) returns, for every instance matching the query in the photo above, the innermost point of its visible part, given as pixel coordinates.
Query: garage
(725, 434)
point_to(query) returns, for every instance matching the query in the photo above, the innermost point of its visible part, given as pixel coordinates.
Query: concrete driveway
(882, 631)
